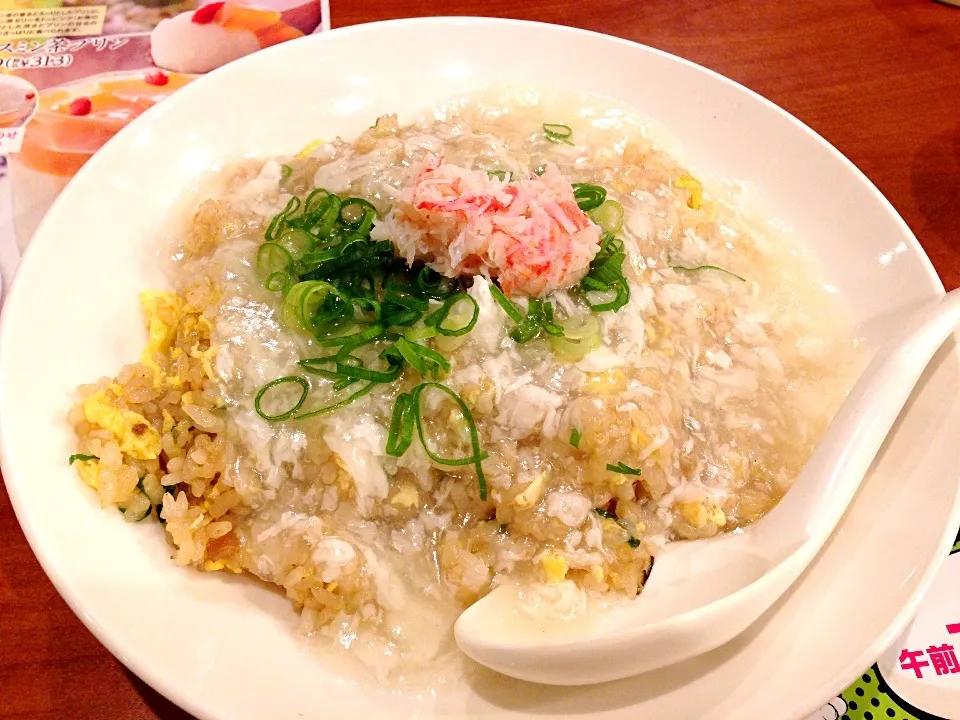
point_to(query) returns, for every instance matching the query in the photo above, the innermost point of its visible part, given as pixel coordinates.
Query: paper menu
(73, 73)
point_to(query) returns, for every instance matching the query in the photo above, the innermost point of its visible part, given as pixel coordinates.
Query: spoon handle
(829, 480)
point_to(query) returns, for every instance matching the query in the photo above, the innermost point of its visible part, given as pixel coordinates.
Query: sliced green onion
(581, 335)
(81, 458)
(272, 258)
(409, 353)
(437, 318)
(620, 299)
(279, 281)
(370, 306)
(509, 307)
(609, 270)
(624, 469)
(358, 338)
(344, 383)
(434, 285)
(608, 216)
(296, 242)
(498, 174)
(589, 196)
(432, 356)
(400, 435)
(315, 366)
(329, 217)
(557, 133)
(477, 455)
(137, 508)
(628, 525)
(407, 301)
(314, 207)
(351, 367)
(354, 210)
(337, 405)
(575, 438)
(152, 489)
(276, 225)
(304, 391)
(393, 314)
(285, 171)
(305, 299)
(708, 267)
(526, 331)
(366, 225)
(420, 333)
(543, 311)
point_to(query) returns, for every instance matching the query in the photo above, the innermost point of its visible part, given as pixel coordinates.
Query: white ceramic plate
(224, 648)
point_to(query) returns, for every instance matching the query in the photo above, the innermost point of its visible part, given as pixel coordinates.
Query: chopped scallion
(557, 133)
(581, 335)
(406, 416)
(509, 307)
(707, 267)
(304, 391)
(588, 196)
(81, 458)
(609, 216)
(438, 317)
(624, 469)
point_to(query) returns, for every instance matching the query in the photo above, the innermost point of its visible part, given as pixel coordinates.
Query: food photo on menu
(440, 383)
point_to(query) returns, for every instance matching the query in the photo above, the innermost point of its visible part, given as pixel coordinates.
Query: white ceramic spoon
(702, 594)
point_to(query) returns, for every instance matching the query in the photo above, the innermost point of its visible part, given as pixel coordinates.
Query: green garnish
(605, 288)
(78, 456)
(273, 258)
(575, 438)
(273, 230)
(498, 174)
(349, 292)
(557, 133)
(304, 390)
(627, 525)
(623, 469)
(539, 317)
(609, 216)
(435, 286)
(407, 415)
(285, 171)
(581, 335)
(509, 307)
(436, 319)
(337, 405)
(278, 281)
(588, 196)
(707, 267)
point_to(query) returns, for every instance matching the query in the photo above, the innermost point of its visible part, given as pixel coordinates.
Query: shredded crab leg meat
(527, 231)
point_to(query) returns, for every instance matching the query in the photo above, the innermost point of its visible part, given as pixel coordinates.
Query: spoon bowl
(701, 594)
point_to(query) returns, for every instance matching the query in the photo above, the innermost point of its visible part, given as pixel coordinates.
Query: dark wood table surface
(880, 79)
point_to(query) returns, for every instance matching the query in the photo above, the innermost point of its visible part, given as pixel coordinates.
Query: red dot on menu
(157, 78)
(81, 106)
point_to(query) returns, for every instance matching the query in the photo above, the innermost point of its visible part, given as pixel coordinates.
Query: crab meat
(526, 232)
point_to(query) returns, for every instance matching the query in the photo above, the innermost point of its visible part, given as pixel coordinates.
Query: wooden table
(880, 79)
